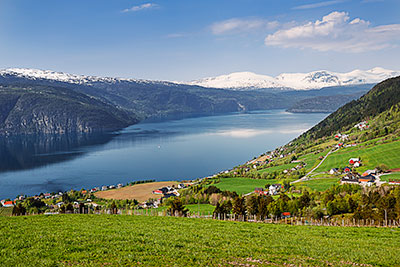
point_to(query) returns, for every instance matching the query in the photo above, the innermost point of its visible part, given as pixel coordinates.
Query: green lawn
(371, 157)
(392, 176)
(279, 168)
(319, 184)
(114, 240)
(242, 185)
(203, 208)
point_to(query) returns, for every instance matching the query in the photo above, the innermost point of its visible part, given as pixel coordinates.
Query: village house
(180, 186)
(334, 171)
(337, 136)
(7, 204)
(346, 169)
(350, 178)
(368, 172)
(339, 145)
(362, 125)
(352, 161)
(367, 180)
(260, 191)
(274, 189)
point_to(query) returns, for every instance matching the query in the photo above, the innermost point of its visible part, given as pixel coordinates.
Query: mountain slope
(324, 104)
(297, 81)
(380, 98)
(149, 98)
(41, 109)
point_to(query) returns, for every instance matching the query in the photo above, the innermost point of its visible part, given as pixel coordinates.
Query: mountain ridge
(295, 81)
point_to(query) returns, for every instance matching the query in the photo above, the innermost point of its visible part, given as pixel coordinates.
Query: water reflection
(28, 152)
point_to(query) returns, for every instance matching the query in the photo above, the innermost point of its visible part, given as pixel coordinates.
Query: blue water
(169, 150)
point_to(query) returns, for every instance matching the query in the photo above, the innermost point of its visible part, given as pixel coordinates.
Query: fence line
(341, 222)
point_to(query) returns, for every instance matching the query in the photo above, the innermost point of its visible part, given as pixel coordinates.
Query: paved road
(305, 178)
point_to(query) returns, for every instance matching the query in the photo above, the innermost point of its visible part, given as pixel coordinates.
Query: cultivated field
(100, 240)
(140, 192)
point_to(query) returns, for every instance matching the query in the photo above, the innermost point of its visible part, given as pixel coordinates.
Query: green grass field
(310, 159)
(279, 168)
(100, 240)
(371, 157)
(319, 184)
(242, 185)
(392, 176)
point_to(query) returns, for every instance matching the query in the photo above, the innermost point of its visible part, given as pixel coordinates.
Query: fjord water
(168, 150)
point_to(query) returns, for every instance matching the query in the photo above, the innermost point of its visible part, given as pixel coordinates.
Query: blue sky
(185, 40)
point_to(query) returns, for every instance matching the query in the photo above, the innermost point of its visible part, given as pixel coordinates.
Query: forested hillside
(380, 98)
(45, 109)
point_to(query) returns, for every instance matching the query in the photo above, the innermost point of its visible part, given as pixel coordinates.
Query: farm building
(352, 161)
(7, 204)
(368, 172)
(350, 179)
(367, 179)
(346, 169)
(333, 171)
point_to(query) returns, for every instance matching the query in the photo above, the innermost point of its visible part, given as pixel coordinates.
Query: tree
(304, 200)
(239, 207)
(262, 211)
(113, 208)
(177, 208)
(18, 210)
(252, 205)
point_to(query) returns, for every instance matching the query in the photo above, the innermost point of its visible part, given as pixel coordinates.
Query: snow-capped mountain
(35, 74)
(234, 81)
(297, 81)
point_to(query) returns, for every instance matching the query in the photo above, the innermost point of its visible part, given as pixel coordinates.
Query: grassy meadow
(99, 240)
(392, 176)
(371, 157)
(319, 185)
(243, 185)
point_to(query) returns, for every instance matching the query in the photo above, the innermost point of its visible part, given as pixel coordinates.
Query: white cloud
(320, 4)
(140, 7)
(336, 32)
(236, 25)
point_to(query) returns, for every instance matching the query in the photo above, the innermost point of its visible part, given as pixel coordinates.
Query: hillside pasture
(371, 157)
(391, 176)
(321, 184)
(243, 185)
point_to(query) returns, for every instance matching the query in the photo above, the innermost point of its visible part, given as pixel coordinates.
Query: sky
(186, 40)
